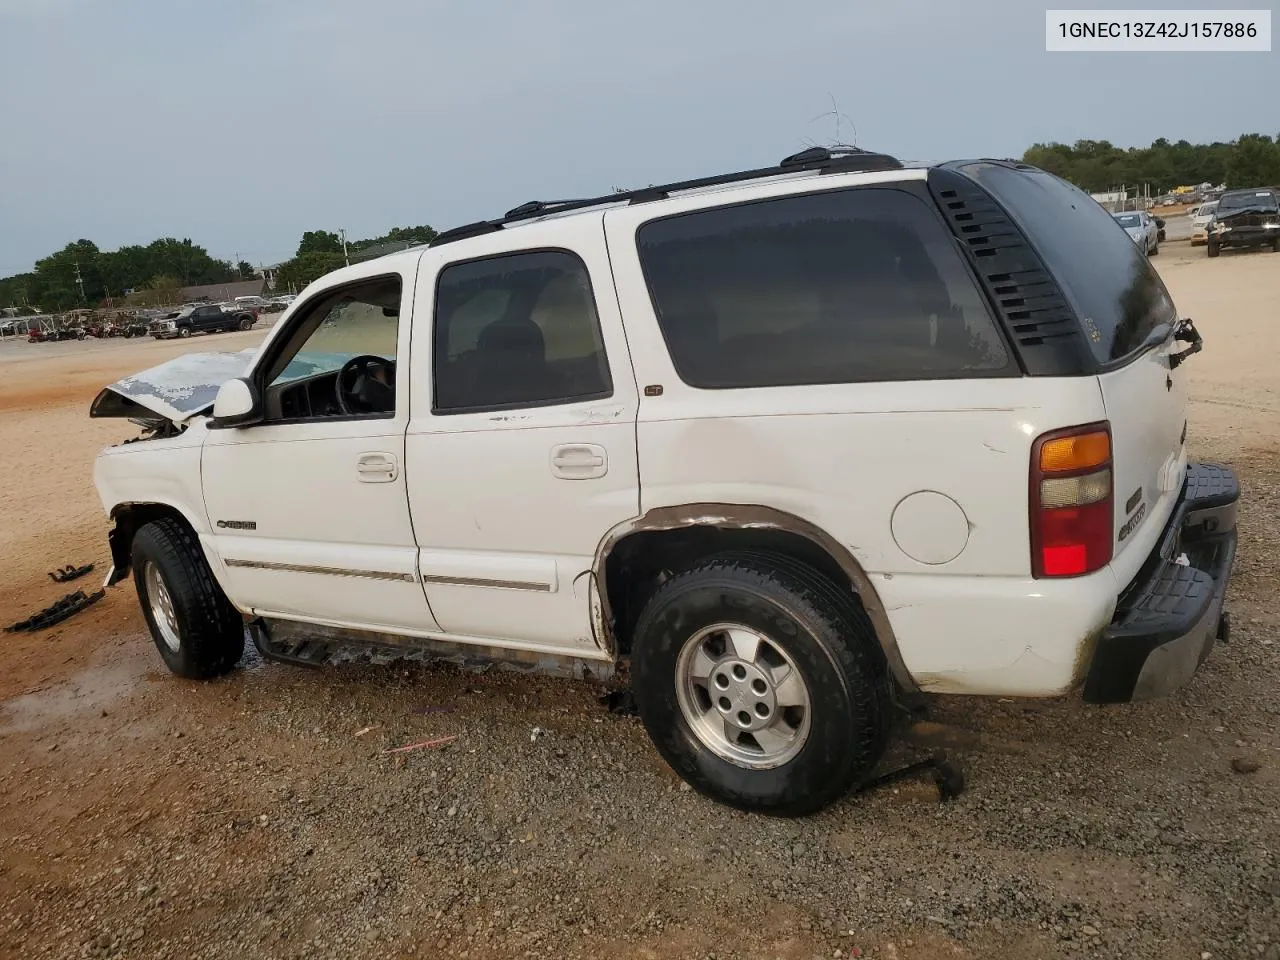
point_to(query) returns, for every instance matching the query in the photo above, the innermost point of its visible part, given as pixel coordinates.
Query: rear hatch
(1128, 320)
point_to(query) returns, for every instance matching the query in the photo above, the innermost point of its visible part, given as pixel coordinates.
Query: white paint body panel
(507, 545)
(327, 544)
(491, 546)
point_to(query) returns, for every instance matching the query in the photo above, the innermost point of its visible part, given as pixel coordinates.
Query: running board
(315, 645)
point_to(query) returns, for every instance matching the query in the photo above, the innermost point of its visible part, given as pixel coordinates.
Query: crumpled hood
(177, 390)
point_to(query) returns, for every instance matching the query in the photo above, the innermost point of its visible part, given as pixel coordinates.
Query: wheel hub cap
(743, 696)
(161, 603)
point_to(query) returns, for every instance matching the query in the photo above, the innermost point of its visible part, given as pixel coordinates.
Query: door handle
(376, 468)
(579, 461)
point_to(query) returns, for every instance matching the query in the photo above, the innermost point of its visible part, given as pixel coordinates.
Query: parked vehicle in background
(207, 318)
(1244, 218)
(1141, 229)
(1200, 218)
(784, 440)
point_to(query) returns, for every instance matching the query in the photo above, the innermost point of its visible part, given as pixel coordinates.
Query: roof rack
(833, 159)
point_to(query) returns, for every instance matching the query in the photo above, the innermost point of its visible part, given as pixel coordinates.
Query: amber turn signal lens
(1075, 453)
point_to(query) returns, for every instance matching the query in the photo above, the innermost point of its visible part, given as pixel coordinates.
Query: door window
(339, 360)
(517, 331)
(834, 287)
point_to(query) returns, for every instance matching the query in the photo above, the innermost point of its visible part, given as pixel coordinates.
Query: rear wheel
(1156, 249)
(760, 683)
(196, 629)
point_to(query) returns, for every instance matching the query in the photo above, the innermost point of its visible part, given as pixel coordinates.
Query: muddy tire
(198, 632)
(761, 683)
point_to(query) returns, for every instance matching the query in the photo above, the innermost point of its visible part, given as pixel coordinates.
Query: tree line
(81, 275)
(320, 251)
(167, 264)
(1252, 160)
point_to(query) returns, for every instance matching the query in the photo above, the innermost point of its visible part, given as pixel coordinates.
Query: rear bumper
(1169, 617)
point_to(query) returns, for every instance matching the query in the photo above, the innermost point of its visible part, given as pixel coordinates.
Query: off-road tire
(210, 630)
(1214, 249)
(826, 634)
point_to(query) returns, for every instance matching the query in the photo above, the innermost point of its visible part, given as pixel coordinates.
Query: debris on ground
(1245, 765)
(69, 572)
(57, 611)
(620, 701)
(424, 745)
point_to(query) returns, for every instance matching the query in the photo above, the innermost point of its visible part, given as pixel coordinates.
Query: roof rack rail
(834, 159)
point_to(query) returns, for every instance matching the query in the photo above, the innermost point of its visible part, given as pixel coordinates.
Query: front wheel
(184, 332)
(196, 629)
(760, 683)
(1214, 249)
(246, 323)
(1155, 250)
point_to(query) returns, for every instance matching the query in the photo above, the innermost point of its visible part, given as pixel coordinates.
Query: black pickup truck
(210, 318)
(1245, 218)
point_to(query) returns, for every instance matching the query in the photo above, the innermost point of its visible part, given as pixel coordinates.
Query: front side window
(519, 330)
(848, 286)
(340, 358)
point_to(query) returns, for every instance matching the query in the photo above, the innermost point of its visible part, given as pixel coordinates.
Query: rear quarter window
(1105, 276)
(844, 286)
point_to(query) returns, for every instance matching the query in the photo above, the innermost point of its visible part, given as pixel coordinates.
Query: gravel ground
(143, 816)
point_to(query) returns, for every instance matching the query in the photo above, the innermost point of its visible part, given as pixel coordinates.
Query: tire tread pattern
(846, 637)
(211, 630)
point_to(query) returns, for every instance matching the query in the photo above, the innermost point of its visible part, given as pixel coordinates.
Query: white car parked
(786, 441)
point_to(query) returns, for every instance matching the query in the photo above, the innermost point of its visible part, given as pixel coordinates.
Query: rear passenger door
(521, 450)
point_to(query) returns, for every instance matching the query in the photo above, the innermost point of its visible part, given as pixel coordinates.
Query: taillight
(1071, 501)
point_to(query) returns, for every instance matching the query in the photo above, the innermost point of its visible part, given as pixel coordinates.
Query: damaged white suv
(784, 440)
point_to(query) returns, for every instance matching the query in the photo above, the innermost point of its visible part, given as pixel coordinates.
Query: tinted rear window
(839, 287)
(1106, 277)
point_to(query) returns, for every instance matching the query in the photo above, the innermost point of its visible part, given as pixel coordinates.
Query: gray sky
(241, 124)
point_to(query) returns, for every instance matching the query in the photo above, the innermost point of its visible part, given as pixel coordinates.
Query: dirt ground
(257, 816)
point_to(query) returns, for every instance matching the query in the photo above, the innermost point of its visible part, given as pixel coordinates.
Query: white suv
(785, 441)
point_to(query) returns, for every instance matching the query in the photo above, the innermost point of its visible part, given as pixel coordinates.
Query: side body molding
(744, 516)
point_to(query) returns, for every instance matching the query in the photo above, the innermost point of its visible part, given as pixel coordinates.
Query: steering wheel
(366, 384)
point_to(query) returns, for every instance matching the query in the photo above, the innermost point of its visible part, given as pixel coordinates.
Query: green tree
(319, 241)
(246, 270)
(304, 268)
(1255, 162)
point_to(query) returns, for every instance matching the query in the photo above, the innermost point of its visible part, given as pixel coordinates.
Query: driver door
(308, 509)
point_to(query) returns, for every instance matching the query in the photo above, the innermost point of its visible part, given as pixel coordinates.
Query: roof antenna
(838, 117)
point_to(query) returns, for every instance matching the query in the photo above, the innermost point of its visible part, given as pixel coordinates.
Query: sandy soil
(143, 816)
